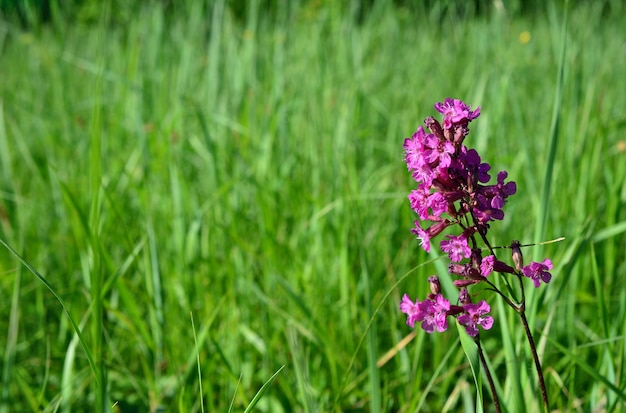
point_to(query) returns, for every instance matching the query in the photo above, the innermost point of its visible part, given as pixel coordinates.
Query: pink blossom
(456, 247)
(474, 317)
(538, 271)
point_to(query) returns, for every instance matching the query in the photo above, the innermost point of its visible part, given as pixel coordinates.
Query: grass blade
(471, 352)
(262, 390)
(54, 292)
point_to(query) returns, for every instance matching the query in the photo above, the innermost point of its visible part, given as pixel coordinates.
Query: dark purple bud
(474, 274)
(464, 283)
(455, 310)
(437, 228)
(500, 266)
(476, 257)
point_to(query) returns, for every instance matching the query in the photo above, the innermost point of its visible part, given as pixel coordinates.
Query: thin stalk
(492, 387)
(533, 349)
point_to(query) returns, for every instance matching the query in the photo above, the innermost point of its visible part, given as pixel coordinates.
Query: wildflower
(474, 166)
(435, 314)
(411, 309)
(432, 312)
(438, 151)
(456, 111)
(413, 148)
(538, 271)
(438, 204)
(420, 202)
(456, 247)
(422, 235)
(474, 317)
(490, 264)
(499, 192)
(425, 235)
(452, 179)
(484, 212)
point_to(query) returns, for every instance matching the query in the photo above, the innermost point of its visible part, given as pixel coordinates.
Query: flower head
(411, 309)
(538, 271)
(490, 264)
(486, 266)
(413, 149)
(432, 312)
(453, 189)
(474, 316)
(455, 111)
(422, 235)
(456, 247)
(435, 314)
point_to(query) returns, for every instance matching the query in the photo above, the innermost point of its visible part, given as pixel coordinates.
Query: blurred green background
(217, 189)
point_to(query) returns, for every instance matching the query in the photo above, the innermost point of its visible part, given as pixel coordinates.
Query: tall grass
(248, 170)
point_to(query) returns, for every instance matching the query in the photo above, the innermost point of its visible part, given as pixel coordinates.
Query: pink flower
(486, 266)
(413, 149)
(473, 317)
(420, 200)
(490, 264)
(411, 309)
(538, 271)
(456, 111)
(456, 247)
(422, 235)
(438, 151)
(432, 312)
(437, 203)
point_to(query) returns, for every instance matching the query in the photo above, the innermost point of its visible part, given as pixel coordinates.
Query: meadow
(216, 199)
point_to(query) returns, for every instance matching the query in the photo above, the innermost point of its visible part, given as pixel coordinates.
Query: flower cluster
(453, 190)
(434, 311)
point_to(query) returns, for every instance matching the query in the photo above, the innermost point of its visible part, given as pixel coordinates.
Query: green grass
(215, 197)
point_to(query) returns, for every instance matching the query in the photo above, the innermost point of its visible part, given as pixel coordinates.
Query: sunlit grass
(251, 174)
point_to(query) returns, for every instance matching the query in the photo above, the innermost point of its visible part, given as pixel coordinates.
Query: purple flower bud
(435, 127)
(476, 256)
(457, 269)
(464, 283)
(464, 297)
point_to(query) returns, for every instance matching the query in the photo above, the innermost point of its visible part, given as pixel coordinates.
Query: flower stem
(492, 387)
(533, 349)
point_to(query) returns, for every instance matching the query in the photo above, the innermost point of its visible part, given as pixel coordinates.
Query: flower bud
(464, 283)
(464, 297)
(476, 257)
(517, 256)
(457, 269)
(435, 286)
(500, 266)
(435, 127)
